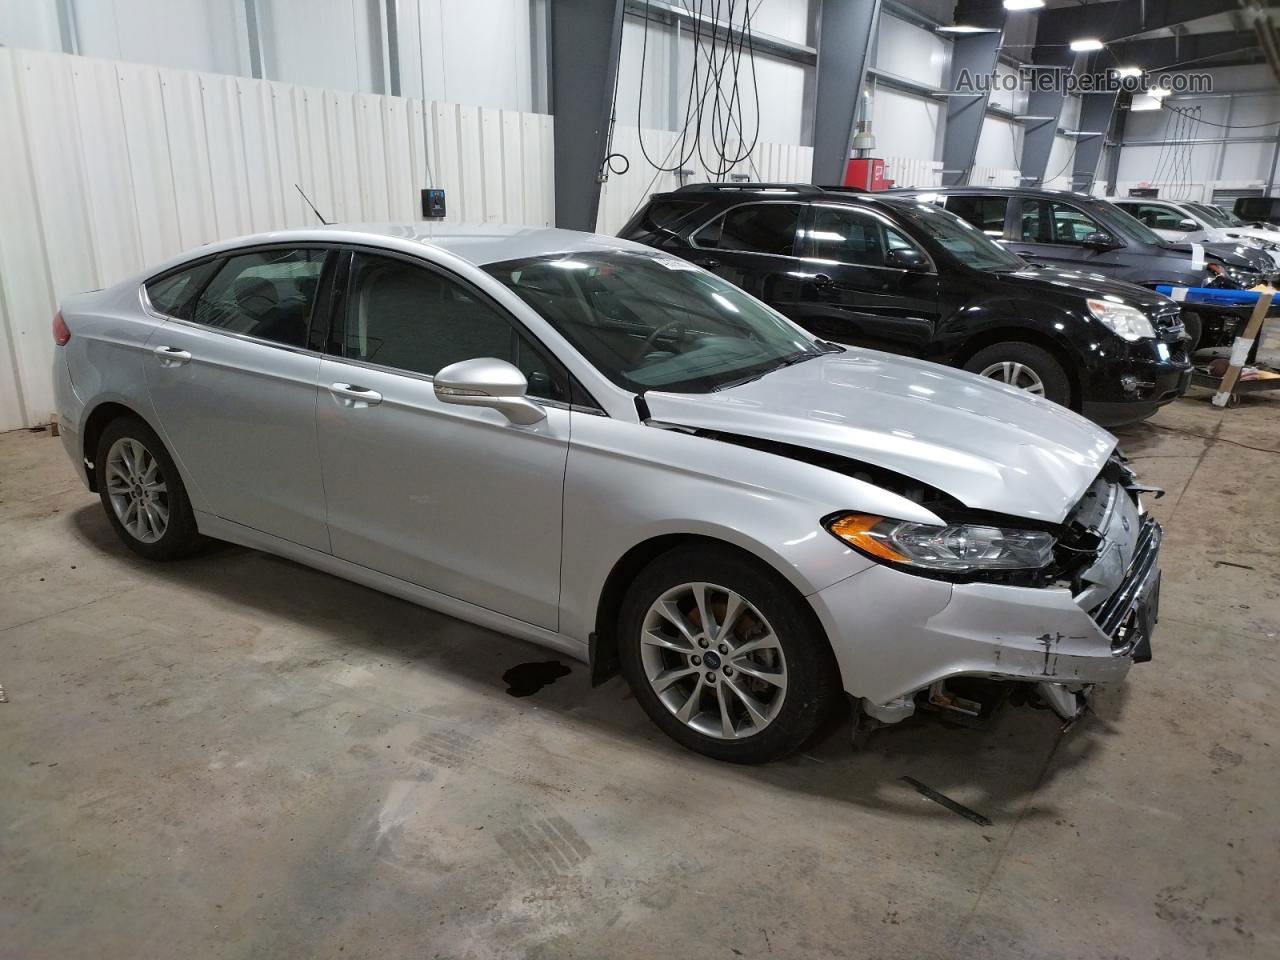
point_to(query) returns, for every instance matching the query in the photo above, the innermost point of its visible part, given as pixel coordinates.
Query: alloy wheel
(713, 660)
(137, 488)
(1016, 375)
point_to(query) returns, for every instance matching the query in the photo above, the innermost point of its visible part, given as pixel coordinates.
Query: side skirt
(220, 529)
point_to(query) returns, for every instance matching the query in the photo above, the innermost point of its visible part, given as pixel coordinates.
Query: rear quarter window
(172, 293)
(659, 219)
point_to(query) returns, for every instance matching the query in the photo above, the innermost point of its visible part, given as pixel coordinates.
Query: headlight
(956, 548)
(1126, 321)
(1244, 279)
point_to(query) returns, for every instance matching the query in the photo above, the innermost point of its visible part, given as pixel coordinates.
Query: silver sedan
(600, 448)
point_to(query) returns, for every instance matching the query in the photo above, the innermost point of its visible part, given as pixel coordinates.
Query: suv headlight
(1124, 320)
(1244, 279)
(956, 548)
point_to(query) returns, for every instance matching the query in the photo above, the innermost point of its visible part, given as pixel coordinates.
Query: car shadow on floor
(994, 770)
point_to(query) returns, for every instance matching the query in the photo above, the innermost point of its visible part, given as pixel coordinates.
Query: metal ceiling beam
(585, 39)
(661, 11)
(1166, 53)
(974, 54)
(845, 32)
(1125, 19)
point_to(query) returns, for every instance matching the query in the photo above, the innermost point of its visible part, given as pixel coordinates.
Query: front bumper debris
(896, 634)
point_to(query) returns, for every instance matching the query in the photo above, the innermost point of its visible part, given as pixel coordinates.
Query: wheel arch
(603, 641)
(1069, 361)
(96, 422)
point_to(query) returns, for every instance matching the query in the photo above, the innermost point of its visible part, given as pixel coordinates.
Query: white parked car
(604, 449)
(1186, 222)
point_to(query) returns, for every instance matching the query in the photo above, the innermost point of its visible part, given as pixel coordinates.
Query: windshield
(1123, 223)
(960, 238)
(1213, 215)
(651, 321)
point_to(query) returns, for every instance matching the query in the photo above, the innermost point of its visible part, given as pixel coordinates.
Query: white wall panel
(107, 167)
(999, 144)
(909, 51)
(913, 172)
(905, 125)
(623, 193)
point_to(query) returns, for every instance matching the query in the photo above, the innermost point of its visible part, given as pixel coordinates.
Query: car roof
(478, 244)
(735, 193)
(1035, 192)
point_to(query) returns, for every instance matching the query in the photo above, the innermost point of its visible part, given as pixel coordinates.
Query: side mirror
(489, 382)
(1186, 223)
(1099, 240)
(907, 258)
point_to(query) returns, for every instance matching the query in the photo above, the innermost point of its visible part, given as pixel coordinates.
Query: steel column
(974, 54)
(586, 37)
(1095, 119)
(1038, 135)
(845, 31)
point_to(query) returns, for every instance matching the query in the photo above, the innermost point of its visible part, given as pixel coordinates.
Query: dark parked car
(897, 274)
(1086, 233)
(1258, 209)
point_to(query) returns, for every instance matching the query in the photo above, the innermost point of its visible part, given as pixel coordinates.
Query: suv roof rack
(747, 187)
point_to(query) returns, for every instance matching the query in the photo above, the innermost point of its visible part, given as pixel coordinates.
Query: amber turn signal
(856, 529)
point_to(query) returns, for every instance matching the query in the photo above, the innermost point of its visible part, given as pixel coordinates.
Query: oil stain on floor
(526, 679)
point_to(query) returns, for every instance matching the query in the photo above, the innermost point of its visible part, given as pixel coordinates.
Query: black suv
(1080, 232)
(897, 274)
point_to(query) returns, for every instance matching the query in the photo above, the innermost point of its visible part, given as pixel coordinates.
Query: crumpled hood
(989, 445)
(1087, 283)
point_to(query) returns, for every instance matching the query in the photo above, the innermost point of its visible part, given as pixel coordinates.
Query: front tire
(724, 657)
(1023, 365)
(142, 492)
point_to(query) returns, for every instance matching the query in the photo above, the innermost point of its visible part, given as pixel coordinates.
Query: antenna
(311, 205)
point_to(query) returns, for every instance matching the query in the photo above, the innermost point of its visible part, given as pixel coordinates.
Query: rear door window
(267, 294)
(987, 213)
(754, 228)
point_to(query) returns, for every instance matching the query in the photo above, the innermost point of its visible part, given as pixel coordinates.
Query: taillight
(61, 334)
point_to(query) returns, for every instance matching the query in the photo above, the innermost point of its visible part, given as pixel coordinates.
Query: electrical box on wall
(866, 173)
(432, 204)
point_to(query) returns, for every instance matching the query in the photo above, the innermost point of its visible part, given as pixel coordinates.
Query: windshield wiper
(795, 358)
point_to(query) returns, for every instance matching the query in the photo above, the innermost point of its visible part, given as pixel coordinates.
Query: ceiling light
(1129, 71)
(959, 28)
(1158, 92)
(1140, 103)
(1023, 4)
(1085, 46)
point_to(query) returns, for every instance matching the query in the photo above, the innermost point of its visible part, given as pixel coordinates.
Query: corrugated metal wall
(106, 167)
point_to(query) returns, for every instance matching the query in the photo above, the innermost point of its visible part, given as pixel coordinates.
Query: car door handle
(172, 356)
(356, 395)
(822, 281)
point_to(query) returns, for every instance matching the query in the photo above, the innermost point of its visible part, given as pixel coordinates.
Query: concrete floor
(235, 756)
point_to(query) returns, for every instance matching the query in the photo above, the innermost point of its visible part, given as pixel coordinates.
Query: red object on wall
(866, 173)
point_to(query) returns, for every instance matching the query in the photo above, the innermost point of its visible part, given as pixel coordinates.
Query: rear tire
(755, 686)
(142, 492)
(1023, 365)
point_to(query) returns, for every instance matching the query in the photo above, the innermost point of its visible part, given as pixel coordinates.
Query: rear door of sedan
(232, 376)
(456, 499)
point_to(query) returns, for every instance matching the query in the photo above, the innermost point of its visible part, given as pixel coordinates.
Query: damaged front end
(1044, 637)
